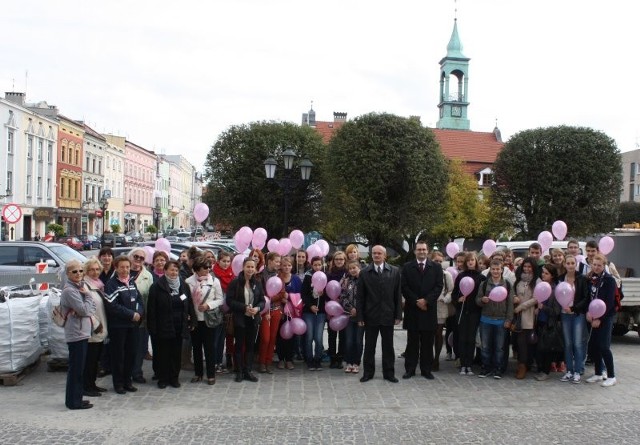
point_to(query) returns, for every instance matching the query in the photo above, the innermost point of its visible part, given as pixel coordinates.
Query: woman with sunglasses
(124, 314)
(143, 280)
(95, 287)
(77, 306)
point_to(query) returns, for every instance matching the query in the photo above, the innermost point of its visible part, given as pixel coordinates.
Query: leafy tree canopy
(629, 213)
(238, 192)
(385, 180)
(567, 173)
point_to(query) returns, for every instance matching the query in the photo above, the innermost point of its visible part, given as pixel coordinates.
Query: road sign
(12, 213)
(98, 213)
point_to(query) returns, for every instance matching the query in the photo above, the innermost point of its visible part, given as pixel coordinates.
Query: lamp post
(157, 211)
(104, 205)
(287, 183)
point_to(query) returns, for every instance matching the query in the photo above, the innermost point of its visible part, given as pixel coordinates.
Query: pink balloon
(242, 238)
(564, 294)
(200, 212)
(333, 289)
(339, 323)
(284, 246)
(606, 245)
(314, 251)
(488, 247)
(324, 247)
(467, 284)
(542, 292)
(498, 294)
(259, 238)
(236, 263)
(559, 229)
(333, 308)
(597, 308)
(163, 244)
(298, 326)
(272, 245)
(267, 306)
(452, 248)
(579, 259)
(274, 285)
(453, 272)
(545, 239)
(297, 238)
(319, 281)
(286, 330)
(148, 254)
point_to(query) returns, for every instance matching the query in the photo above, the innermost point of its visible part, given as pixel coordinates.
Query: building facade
(69, 175)
(139, 187)
(95, 146)
(114, 180)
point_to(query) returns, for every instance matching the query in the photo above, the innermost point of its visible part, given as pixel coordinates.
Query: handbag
(58, 317)
(551, 339)
(213, 317)
(228, 319)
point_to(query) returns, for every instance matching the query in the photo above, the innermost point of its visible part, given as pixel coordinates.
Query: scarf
(224, 275)
(174, 284)
(95, 284)
(526, 277)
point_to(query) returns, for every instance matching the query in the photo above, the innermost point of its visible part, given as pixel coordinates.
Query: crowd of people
(198, 309)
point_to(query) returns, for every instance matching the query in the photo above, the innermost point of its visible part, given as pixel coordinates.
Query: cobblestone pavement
(331, 407)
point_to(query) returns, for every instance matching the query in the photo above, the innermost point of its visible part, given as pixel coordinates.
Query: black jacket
(417, 285)
(379, 301)
(235, 299)
(581, 297)
(160, 310)
(470, 305)
(124, 301)
(308, 298)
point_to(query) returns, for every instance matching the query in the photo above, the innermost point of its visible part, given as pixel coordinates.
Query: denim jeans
(315, 329)
(353, 338)
(574, 330)
(602, 346)
(492, 346)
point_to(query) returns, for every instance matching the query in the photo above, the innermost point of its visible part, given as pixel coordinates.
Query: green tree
(238, 192)
(152, 229)
(569, 173)
(629, 213)
(56, 228)
(115, 228)
(385, 180)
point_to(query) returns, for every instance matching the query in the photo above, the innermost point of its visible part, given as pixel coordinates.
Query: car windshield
(67, 254)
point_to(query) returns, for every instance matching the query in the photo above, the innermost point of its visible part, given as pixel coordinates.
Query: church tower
(454, 85)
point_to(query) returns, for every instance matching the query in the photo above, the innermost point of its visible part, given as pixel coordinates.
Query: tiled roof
(473, 147)
(326, 129)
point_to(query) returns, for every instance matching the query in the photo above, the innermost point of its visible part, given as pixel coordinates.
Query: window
(9, 182)
(28, 185)
(10, 142)
(39, 187)
(99, 167)
(62, 187)
(48, 188)
(62, 156)
(40, 147)
(49, 152)
(108, 162)
(86, 192)
(88, 162)
(30, 147)
(33, 255)
(77, 157)
(93, 165)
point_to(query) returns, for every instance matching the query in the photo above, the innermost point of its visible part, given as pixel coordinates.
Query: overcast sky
(171, 76)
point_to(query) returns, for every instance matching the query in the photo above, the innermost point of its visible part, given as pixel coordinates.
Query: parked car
(72, 241)
(20, 257)
(135, 236)
(120, 240)
(90, 242)
(184, 236)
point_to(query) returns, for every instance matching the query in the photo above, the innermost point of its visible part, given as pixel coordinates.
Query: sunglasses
(76, 271)
(138, 257)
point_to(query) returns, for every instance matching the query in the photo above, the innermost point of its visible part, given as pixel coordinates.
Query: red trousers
(268, 336)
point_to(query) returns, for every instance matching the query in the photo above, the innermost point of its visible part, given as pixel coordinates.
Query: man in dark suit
(421, 286)
(378, 309)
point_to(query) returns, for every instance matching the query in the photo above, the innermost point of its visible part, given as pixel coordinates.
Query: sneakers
(576, 378)
(595, 378)
(567, 377)
(497, 376)
(608, 382)
(449, 357)
(355, 369)
(541, 377)
(463, 371)
(562, 367)
(469, 371)
(484, 374)
(311, 366)
(348, 369)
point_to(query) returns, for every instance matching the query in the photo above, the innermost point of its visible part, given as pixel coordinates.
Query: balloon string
(461, 310)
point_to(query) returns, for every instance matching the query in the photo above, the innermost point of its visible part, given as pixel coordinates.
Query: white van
(521, 248)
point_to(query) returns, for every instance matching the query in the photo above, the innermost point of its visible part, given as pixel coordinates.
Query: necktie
(421, 267)
(379, 269)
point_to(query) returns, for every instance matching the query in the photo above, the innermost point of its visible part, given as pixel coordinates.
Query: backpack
(58, 317)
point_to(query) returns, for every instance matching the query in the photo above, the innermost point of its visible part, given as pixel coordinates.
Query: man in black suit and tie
(378, 309)
(421, 286)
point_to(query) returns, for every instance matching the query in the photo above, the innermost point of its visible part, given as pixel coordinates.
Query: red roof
(477, 149)
(326, 129)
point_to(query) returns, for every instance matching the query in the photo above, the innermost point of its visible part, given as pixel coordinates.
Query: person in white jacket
(445, 309)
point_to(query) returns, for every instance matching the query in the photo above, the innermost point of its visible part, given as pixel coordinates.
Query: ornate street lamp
(104, 205)
(287, 183)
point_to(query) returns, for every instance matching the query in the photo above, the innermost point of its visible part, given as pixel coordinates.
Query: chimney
(339, 116)
(16, 98)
